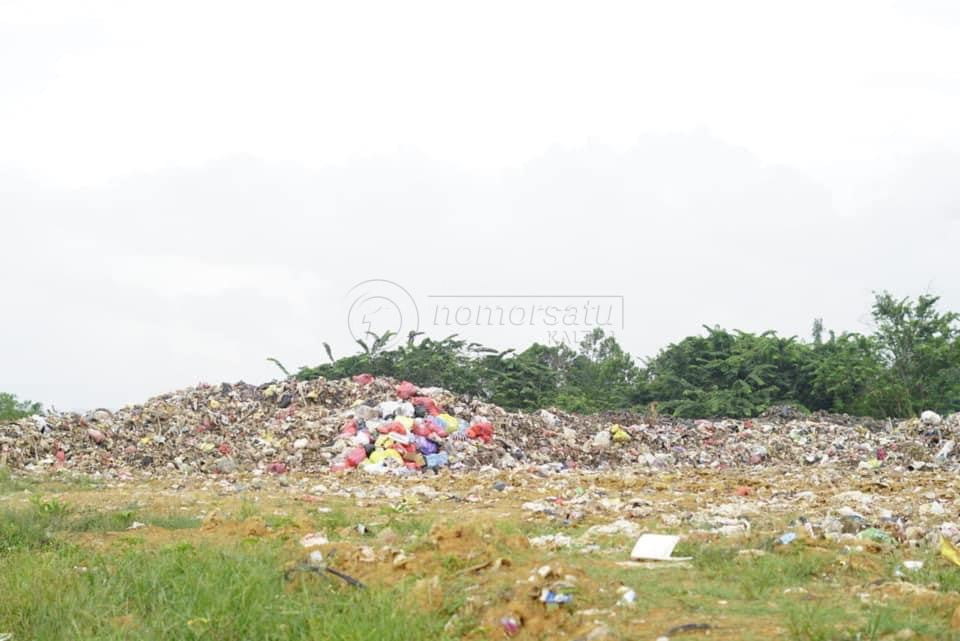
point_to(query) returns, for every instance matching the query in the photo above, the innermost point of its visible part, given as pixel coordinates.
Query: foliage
(730, 373)
(598, 376)
(12, 408)
(919, 348)
(910, 363)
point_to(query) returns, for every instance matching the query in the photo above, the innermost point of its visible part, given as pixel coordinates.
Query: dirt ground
(493, 543)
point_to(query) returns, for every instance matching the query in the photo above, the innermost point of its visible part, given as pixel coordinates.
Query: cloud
(160, 280)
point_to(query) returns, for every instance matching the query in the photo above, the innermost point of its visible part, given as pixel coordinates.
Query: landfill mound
(384, 426)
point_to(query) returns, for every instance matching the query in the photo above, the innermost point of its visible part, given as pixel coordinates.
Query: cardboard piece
(656, 547)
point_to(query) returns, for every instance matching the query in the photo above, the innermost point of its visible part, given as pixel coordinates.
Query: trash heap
(408, 434)
(307, 426)
(380, 426)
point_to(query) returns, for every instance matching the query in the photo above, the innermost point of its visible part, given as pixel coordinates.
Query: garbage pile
(381, 426)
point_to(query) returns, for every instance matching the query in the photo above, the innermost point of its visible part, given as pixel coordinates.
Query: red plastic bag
(363, 379)
(482, 431)
(428, 404)
(406, 390)
(356, 456)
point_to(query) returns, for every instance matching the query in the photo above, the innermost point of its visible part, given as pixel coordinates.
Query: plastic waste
(949, 551)
(787, 538)
(439, 459)
(450, 423)
(618, 434)
(406, 390)
(482, 431)
(356, 456)
(425, 445)
(875, 535)
(428, 405)
(656, 547)
(380, 455)
(510, 625)
(551, 597)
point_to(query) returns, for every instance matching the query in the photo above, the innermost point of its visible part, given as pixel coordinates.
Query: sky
(188, 188)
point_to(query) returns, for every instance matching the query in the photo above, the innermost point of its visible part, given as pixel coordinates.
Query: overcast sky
(187, 188)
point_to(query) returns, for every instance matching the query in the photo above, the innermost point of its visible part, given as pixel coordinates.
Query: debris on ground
(656, 547)
(382, 426)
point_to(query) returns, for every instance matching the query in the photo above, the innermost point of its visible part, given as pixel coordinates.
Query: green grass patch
(10, 483)
(37, 526)
(193, 592)
(335, 519)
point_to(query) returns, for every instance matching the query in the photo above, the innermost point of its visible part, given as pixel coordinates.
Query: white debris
(314, 539)
(656, 547)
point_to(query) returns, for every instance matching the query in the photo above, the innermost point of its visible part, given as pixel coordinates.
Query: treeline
(909, 363)
(12, 408)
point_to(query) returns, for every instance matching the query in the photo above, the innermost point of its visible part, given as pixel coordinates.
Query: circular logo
(381, 312)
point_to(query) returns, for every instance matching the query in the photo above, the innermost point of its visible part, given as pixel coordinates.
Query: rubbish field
(360, 509)
(382, 426)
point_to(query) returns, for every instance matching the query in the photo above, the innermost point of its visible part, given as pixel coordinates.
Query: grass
(53, 589)
(335, 519)
(802, 590)
(38, 526)
(236, 588)
(11, 483)
(192, 592)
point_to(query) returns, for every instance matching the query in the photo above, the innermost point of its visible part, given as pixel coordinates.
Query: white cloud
(187, 188)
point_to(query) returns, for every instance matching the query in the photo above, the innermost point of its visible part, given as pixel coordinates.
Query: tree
(12, 409)
(910, 363)
(849, 376)
(919, 346)
(730, 373)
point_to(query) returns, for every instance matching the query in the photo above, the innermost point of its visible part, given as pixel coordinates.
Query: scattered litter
(314, 539)
(876, 535)
(388, 427)
(551, 541)
(550, 597)
(620, 527)
(787, 538)
(510, 625)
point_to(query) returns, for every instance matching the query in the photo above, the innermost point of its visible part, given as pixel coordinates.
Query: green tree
(848, 375)
(730, 373)
(910, 363)
(12, 409)
(599, 375)
(919, 346)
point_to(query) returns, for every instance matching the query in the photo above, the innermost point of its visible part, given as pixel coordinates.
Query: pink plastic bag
(406, 390)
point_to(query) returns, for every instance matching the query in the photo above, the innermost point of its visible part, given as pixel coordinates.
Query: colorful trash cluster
(411, 433)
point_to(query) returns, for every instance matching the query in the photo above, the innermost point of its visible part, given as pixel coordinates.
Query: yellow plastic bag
(949, 551)
(451, 423)
(380, 455)
(619, 434)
